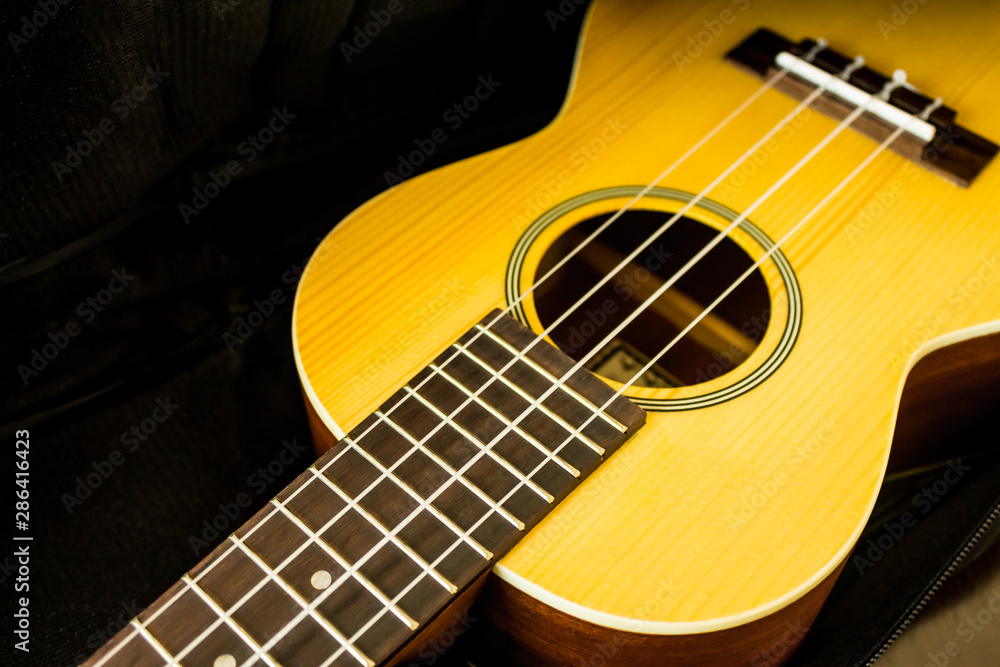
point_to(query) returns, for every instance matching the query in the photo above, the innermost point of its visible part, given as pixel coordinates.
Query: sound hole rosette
(783, 288)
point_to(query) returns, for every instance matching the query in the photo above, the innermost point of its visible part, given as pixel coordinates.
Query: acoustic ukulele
(631, 381)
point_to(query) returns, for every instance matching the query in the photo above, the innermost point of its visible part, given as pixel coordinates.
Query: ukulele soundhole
(721, 341)
(730, 349)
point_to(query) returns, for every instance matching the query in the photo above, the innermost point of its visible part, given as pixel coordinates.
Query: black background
(162, 337)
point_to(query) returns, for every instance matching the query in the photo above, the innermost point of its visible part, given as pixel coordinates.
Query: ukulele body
(714, 535)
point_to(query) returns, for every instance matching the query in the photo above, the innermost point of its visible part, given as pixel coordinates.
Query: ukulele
(630, 382)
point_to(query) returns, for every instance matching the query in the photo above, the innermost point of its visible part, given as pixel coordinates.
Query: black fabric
(78, 83)
(178, 287)
(182, 287)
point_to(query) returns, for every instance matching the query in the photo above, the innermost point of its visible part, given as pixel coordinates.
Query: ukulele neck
(361, 551)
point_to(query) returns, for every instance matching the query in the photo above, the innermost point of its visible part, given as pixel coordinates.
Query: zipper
(969, 546)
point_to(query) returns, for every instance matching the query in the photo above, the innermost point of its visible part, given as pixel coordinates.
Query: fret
(482, 446)
(187, 618)
(277, 543)
(217, 650)
(223, 585)
(347, 599)
(299, 640)
(294, 595)
(493, 474)
(454, 449)
(200, 632)
(427, 475)
(414, 585)
(429, 537)
(369, 477)
(378, 558)
(129, 641)
(316, 503)
(294, 635)
(316, 506)
(393, 539)
(352, 472)
(534, 383)
(360, 541)
(238, 621)
(353, 606)
(375, 633)
(381, 439)
(303, 646)
(512, 402)
(272, 612)
(451, 473)
(491, 373)
(412, 590)
(182, 619)
(611, 421)
(485, 553)
(160, 624)
(151, 641)
(590, 391)
(342, 596)
(459, 452)
(393, 571)
(312, 570)
(127, 647)
(450, 445)
(227, 576)
(519, 448)
(507, 423)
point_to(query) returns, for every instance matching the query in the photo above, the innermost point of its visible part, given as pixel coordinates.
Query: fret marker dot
(224, 660)
(321, 579)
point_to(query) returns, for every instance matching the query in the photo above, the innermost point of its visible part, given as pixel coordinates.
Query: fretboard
(362, 550)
